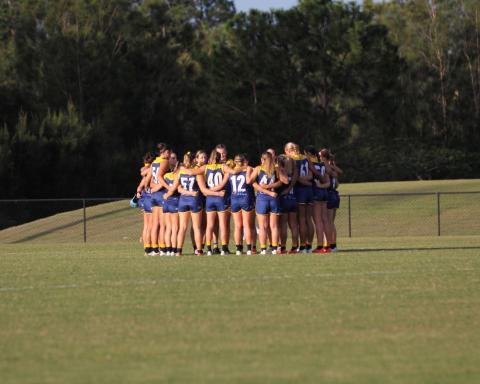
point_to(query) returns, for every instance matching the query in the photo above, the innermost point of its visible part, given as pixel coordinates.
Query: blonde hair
(188, 160)
(268, 164)
(215, 157)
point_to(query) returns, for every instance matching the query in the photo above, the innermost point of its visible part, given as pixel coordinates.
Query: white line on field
(109, 284)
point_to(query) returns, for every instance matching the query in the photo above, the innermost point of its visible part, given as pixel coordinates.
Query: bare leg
(197, 229)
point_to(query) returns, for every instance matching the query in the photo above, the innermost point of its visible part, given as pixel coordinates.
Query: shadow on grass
(408, 249)
(69, 225)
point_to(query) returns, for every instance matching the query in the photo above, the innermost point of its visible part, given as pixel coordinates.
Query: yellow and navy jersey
(213, 175)
(169, 178)
(333, 183)
(320, 168)
(285, 186)
(264, 180)
(238, 184)
(189, 182)
(156, 169)
(301, 162)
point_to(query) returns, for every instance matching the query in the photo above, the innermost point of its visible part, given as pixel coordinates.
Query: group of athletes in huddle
(293, 190)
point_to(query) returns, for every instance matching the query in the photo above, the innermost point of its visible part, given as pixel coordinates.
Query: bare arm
(205, 190)
(259, 188)
(223, 183)
(172, 188)
(195, 171)
(252, 175)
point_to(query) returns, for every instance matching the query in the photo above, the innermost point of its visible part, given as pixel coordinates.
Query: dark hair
(325, 153)
(282, 160)
(311, 151)
(148, 157)
(162, 147)
(220, 146)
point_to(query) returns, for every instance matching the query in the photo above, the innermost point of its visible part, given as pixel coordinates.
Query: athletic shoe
(178, 254)
(238, 253)
(303, 251)
(283, 252)
(216, 251)
(325, 250)
(317, 250)
(209, 253)
(293, 250)
(153, 253)
(274, 251)
(334, 249)
(254, 251)
(198, 253)
(264, 252)
(161, 253)
(249, 252)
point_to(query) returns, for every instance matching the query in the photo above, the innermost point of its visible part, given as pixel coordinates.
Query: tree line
(87, 87)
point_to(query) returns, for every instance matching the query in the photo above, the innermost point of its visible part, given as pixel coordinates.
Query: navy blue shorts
(288, 204)
(266, 204)
(333, 201)
(189, 204)
(241, 203)
(171, 205)
(215, 204)
(304, 194)
(157, 198)
(145, 202)
(320, 194)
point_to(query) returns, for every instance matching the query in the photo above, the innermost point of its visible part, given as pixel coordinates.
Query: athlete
(170, 207)
(303, 193)
(266, 179)
(288, 205)
(333, 201)
(145, 201)
(320, 183)
(158, 187)
(216, 206)
(242, 204)
(190, 202)
(201, 160)
(222, 150)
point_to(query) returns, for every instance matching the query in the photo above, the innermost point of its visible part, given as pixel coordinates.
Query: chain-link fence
(112, 220)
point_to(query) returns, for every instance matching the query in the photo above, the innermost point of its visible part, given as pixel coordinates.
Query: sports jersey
(171, 204)
(188, 203)
(319, 194)
(242, 195)
(157, 197)
(265, 203)
(303, 193)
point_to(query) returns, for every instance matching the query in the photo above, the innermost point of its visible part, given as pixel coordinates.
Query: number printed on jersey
(214, 179)
(187, 182)
(238, 183)
(304, 169)
(155, 169)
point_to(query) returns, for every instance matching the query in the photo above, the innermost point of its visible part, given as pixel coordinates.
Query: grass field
(74, 313)
(401, 309)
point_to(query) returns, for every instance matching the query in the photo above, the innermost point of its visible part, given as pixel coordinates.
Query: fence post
(438, 213)
(84, 222)
(349, 216)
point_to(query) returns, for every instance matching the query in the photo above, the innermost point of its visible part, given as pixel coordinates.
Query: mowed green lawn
(74, 313)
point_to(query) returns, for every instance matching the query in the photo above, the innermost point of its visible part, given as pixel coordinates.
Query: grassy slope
(371, 216)
(95, 313)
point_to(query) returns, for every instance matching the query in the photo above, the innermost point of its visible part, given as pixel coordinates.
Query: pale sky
(263, 5)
